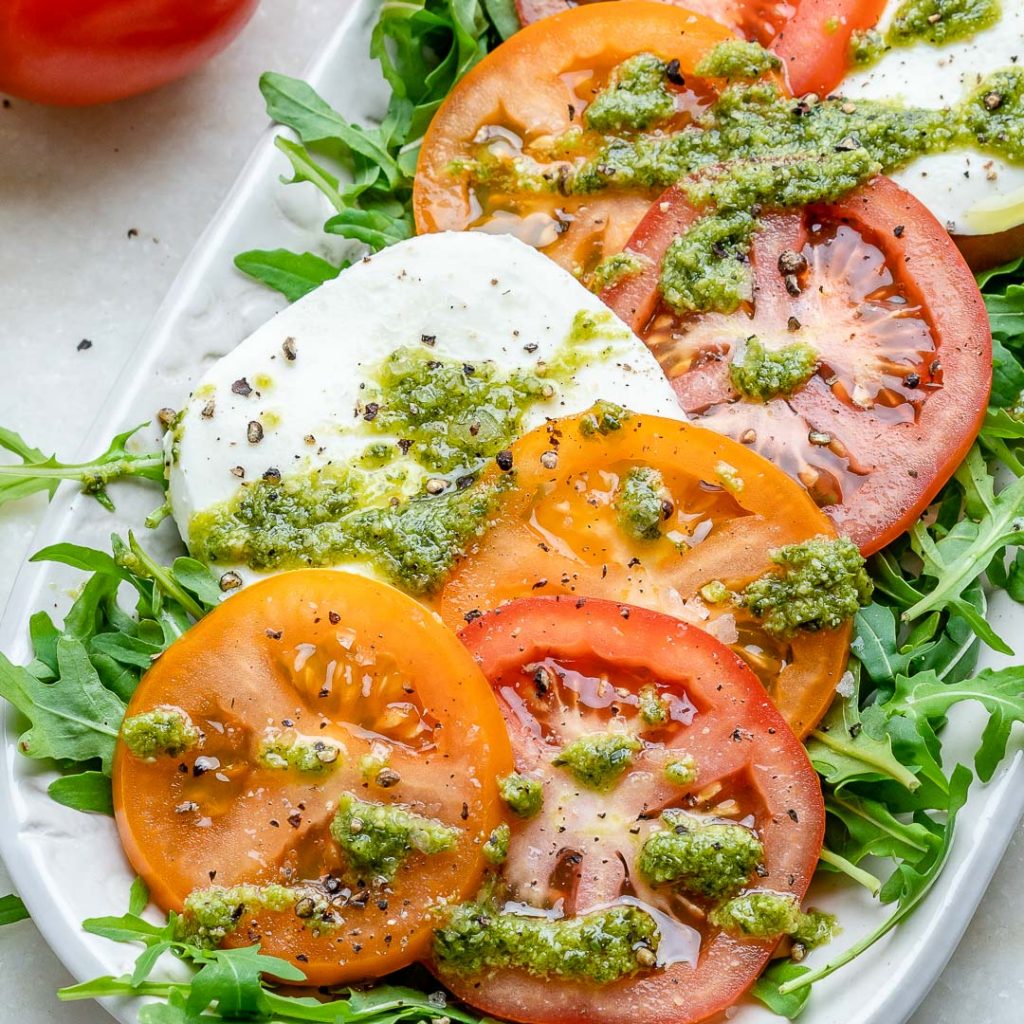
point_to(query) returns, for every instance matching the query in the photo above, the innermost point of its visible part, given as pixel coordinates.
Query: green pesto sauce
(167, 731)
(705, 268)
(822, 583)
(653, 709)
(681, 771)
(409, 509)
(600, 947)
(994, 113)
(496, 847)
(603, 418)
(210, 915)
(598, 760)
(738, 59)
(941, 21)
(706, 859)
(524, 796)
(761, 373)
(636, 97)
(311, 756)
(615, 269)
(640, 503)
(377, 838)
(715, 592)
(937, 22)
(763, 914)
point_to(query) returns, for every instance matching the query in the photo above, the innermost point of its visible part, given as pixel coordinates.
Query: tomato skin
(81, 52)
(337, 657)
(814, 55)
(548, 538)
(631, 643)
(909, 460)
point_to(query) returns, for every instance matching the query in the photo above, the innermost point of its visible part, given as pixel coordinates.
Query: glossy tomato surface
(315, 656)
(905, 352)
(595, 659)
(530, 92)
(559, 531)
(811, 36)
(79, 52)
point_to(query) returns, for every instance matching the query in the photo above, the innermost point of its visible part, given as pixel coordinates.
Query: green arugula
(38, 472)
(74, 692)
(366, 173)
(12, 910)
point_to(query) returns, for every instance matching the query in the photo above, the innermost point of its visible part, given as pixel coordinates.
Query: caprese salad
(595, 553)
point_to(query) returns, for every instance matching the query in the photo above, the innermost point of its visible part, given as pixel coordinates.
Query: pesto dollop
(941, 21)
(653, 709)
(764, 914)
(641, 503)
(524, 796)
(681, 771)
(210, 915)
(377, 838)
(737, 58)
(598, 760)
(636, 97)
(309, 755)
(162, 731)
(496, 847)
(822, 583)
(708, 859)
(762, 373)
(600, 947)
(614, 269)
(705, 268)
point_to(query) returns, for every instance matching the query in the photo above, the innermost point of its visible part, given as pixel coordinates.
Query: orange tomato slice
(726, 508)
(308, 657)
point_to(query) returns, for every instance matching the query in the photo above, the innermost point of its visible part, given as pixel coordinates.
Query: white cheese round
(468, 297)
(970, 191)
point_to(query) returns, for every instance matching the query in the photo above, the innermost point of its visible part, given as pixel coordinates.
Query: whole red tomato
(78, 52)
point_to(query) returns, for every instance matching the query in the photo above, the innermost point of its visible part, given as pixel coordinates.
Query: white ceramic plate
(69, 866)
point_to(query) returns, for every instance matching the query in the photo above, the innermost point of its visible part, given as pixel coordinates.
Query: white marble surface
(72, 184)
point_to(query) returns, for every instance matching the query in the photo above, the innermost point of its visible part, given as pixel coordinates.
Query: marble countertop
(98, 210)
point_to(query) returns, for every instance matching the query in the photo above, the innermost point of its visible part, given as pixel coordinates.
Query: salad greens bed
(878, 751)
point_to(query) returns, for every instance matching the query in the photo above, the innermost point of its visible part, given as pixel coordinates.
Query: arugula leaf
(1007, 375)
(41, 473)
(12, 910)
(842, 749)
(874, 831)
(366, 173)
(910, 884)
(766, 989)
(1000, 691)
(86, 791)
(292, 274)
(75, 718)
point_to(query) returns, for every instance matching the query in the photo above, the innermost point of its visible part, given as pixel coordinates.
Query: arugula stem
(164, 580)
(92, 474)
(102, 987)
(903, 775)
(848, 868)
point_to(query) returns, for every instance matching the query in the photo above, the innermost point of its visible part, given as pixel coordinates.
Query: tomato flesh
(78, 52)
(558, 532)
(580, 852)
(338, 659)
(902, 335)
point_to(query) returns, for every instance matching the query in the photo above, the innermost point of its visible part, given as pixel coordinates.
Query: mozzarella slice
(970, 191)
(289, 399)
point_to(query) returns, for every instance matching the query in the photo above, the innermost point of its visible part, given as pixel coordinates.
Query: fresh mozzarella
(968, 190)
(470, 297)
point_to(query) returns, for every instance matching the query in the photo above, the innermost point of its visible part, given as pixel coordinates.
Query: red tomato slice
(811, 36)
(903, 338)
(596, 657)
